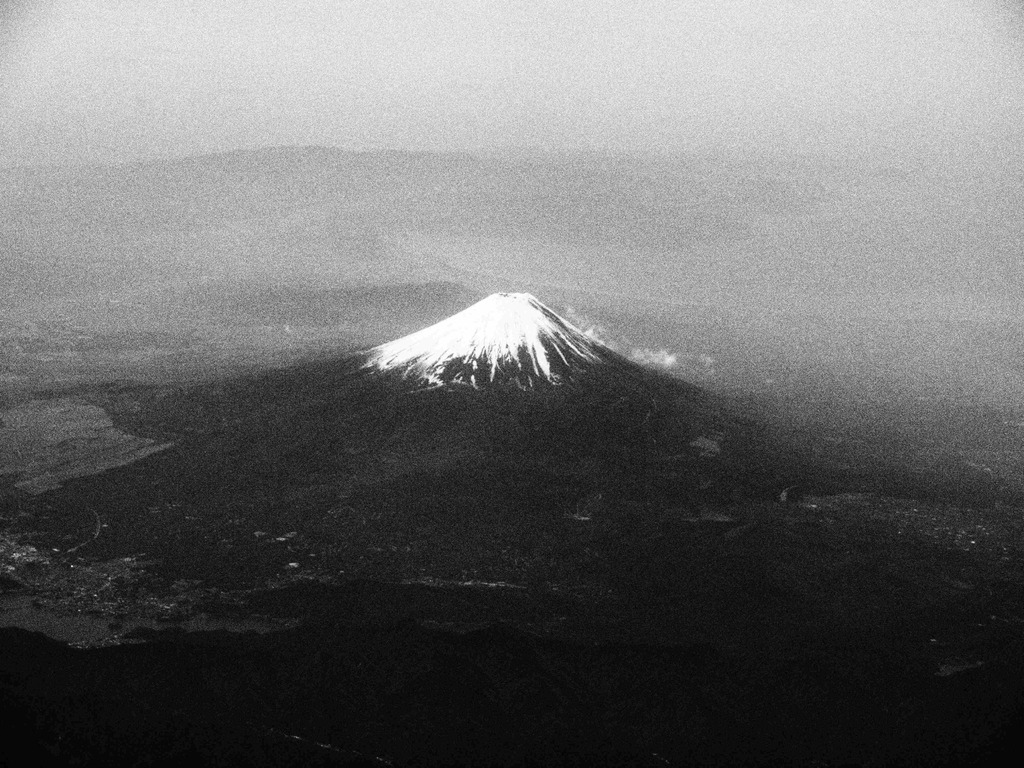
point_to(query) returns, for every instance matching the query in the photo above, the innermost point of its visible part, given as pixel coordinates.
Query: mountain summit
(505, 338)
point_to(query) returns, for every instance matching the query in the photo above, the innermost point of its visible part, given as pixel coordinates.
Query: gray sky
(98, 80)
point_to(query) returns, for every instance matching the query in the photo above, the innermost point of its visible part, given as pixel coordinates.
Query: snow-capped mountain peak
(506, 337)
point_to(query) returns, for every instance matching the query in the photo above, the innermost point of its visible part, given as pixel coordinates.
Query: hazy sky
(107, 80)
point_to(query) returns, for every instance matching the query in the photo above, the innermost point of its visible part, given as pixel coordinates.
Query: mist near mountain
(885, 277)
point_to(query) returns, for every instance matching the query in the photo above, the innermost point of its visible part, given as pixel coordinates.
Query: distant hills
(680, 229)
(842, 292)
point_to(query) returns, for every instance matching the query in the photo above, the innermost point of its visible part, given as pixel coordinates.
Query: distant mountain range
(839, 298)
(677, 228)
(872, 275)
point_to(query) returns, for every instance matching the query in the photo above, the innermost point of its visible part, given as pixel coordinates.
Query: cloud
(596, 331)
(658, 358)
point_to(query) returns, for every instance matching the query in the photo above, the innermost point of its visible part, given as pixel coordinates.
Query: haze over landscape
(451, 339)
(114, 81)
(836, 184)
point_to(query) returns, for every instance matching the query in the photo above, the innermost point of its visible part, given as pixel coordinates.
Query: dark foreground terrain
(839, 631)
(291, 582)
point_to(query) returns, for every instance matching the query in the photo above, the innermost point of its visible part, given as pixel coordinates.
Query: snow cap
(504, 337)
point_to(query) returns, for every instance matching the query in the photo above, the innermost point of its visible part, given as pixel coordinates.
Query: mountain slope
(469, 446)
(338, 468)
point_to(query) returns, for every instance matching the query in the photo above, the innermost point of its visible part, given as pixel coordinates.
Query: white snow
(506, 333)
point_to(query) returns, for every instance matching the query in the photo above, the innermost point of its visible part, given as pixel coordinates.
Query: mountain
(253, 238)
(497, 466)
(447, 450)
(504, 338)
(501, 442)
